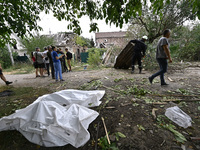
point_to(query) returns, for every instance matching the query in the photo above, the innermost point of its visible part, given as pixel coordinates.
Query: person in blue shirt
(57, 64)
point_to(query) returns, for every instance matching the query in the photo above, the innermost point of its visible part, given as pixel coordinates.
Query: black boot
(150, 80)
(140, 71)
(164, 84)
(133, 68)
(7, 82)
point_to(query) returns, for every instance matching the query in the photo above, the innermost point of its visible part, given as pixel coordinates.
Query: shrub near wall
(95, 56)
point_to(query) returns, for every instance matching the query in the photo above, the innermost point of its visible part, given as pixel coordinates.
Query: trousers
(137, 57)
(163, 69)
(58, 70)
(52, 70)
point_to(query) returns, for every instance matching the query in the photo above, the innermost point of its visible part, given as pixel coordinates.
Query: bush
(95, 56)
(5, 58)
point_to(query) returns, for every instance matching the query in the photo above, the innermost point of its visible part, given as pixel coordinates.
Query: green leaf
(179, 137)
(140, 127)
(121, 135)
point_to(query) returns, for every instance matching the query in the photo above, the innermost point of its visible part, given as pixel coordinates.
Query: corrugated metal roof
(110, 34)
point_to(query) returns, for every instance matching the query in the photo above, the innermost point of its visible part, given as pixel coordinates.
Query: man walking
(3, 77)
(162, 54)
(139, 52)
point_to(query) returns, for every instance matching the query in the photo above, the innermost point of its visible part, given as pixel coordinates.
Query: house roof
(110, 34)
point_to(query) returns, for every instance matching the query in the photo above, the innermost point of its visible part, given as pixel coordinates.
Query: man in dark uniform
(139, 52)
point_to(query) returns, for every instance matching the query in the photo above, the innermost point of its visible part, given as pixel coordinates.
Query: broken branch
(105, 130)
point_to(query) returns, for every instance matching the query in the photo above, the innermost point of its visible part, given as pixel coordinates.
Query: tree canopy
(82, 41)
(21, 16)
(172, 15)
(30, 43)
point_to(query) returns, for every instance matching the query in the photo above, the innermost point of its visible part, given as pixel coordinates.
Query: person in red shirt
(35, 65)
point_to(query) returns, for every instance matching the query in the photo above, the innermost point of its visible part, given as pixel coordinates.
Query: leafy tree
(21, 16)
(172, 15)
(95, 56)
(82, 41)
(186, 45)
(37, 41)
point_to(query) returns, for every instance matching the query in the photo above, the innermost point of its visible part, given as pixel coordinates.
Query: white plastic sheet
(48, 123)
(178, 116)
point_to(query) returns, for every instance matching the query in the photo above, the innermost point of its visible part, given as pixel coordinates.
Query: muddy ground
(131, 106)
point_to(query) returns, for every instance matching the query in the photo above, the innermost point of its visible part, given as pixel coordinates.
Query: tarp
(124, 59)
(56, 119)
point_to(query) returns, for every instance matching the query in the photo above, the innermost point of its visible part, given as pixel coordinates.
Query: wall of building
(112, 41)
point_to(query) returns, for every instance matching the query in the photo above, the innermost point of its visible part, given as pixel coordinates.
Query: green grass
(21, 68)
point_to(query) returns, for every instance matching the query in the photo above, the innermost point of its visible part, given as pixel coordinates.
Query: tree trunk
(10, 53)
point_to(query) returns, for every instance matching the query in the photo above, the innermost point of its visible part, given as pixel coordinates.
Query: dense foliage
(21, 16)
(172, 15)
(82, 41)
(185, 43)
(37, 41)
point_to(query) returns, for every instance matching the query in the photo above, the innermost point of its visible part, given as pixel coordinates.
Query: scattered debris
(170, 79)
(179, 137)
(162, 143)
(195, 138)
(154, 112)
(106, 77)
(110, 107)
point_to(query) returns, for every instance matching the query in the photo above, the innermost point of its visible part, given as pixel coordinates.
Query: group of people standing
(51, 58)
(55, 59)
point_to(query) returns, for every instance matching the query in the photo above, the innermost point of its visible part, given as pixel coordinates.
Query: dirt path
(75, 79)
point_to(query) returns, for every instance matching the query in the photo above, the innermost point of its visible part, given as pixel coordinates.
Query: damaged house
(108, 39)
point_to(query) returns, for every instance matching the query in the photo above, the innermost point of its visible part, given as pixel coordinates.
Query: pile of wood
(124, 59)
